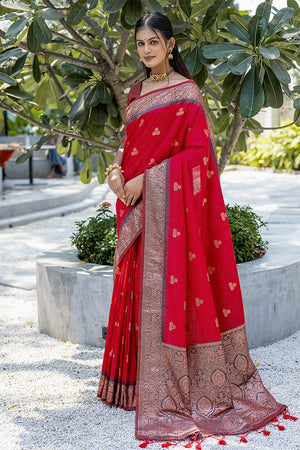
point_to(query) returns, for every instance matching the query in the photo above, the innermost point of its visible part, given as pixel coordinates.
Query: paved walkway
(48, 387)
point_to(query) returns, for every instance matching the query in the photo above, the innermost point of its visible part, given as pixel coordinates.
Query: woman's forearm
(119, 157)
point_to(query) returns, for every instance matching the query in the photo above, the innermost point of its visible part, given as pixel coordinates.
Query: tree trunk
(236, 128)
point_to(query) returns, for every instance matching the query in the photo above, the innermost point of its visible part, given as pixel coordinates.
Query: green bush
(280, 149)
(96, 237)
(244, 226)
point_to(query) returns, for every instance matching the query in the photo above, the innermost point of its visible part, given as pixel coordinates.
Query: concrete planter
(74, 298)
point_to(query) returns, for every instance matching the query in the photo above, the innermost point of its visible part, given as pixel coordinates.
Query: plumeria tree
(79, 59)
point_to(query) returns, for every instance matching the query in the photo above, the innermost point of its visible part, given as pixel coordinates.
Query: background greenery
(79, 58)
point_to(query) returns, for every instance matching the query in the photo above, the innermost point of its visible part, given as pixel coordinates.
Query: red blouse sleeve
(134, 92)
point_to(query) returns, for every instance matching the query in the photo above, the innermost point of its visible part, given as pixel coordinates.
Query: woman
(176, 348)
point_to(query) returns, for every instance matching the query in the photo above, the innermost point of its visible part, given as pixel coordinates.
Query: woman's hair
(157, 21)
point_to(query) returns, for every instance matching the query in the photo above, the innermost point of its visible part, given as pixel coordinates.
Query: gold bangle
(112, 167)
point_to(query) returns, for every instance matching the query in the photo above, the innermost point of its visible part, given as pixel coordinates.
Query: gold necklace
(160, 76)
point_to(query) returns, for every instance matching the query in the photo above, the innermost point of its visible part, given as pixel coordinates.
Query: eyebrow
(150, 39)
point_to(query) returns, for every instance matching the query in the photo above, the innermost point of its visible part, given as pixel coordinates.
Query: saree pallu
(194, 373)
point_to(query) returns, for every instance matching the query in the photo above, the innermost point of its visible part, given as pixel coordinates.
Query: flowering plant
(244, 226)
(96, 237)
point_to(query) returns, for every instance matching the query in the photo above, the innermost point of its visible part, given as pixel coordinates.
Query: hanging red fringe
(280, 427)
(144, 444)
(266, 432)
(189, 445)
(222, 442)
(243, 439)
(166, 444)
(198, 447)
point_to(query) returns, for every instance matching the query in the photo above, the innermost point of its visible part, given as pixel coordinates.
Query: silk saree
(176, 348)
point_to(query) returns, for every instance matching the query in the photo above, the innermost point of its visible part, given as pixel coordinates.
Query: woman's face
(152, 48)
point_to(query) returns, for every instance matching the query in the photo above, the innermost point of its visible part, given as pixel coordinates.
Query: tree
(79, 58)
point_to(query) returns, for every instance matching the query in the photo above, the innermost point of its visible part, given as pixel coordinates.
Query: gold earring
(170, 56)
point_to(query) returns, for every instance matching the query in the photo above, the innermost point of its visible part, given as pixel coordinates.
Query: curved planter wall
(74, 297)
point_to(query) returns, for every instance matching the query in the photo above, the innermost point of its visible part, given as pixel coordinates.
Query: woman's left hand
(133, 189)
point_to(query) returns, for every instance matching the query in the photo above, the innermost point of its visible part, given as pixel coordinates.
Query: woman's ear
(171, 43)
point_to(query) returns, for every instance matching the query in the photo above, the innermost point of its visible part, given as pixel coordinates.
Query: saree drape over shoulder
(176, 348)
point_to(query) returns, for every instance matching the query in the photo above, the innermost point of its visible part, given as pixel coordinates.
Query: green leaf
(99, 114)
(16, 28)
(51, 14)
(280, 19)
(212, 12)
(257, 28)
(77, 12)
(280, 72)
(297, 103)
(35, 147)
(15, 4)
(112, 6)
(41, 31)
(93, 98)
(269, 51)
(264, 10)
(240, 21)
(79, 106)
(186, 7)
(7, 79)
(19, 64)
(231, 86)
(239, 63)
(213, 51)
(132, 11)
(293, 4)
(36, 69)
(11, 53)
(241, 145)
(252, 94)
(113, 19)
(32, 39)
(179, 26)
(23, 157)
(193, 62)
(124, 23)
(17, 93)
(100, 170)
(41, 94)
(289, 33)
(92, 4)
(201, 77)
(252, 123)
(153, 6)
(272, 89)
(105, 92)
(76, 70)
(112, 109)
(86, 172)
(238, 31)
(221, 69)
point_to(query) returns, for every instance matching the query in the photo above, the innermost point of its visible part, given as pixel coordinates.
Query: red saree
(176, 347)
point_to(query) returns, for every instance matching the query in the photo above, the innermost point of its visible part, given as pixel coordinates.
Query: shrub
(96, 237)
(280, 149)
(244, 226)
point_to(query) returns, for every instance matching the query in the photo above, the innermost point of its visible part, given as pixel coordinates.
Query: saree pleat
(118, 379)
(176, 347)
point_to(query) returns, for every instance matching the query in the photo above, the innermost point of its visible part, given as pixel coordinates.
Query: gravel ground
(48, 387)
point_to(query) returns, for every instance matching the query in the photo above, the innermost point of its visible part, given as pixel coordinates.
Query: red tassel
(293, 418)
(167, 444)
(266, 433)
(222, 442)
(144, 444)
(275, 420)
(198, 447)
(189, 445)
(243, 439)
(280, 427)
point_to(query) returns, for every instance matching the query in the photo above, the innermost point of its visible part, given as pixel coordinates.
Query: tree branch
(215, 82)
(122, 48)
(73, 41)
(101, 33)
(71, 30)
(99, 67)
(274, 128)
(54, 130)
(236, 129)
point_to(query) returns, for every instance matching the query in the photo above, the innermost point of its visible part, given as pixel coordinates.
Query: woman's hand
(133, 189)
(116, 182)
